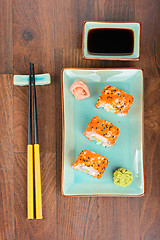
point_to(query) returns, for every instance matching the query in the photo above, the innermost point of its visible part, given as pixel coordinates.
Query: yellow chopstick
(30, 199)
(38, 194)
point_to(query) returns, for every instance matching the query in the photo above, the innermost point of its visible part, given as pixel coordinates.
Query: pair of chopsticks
(37, 172)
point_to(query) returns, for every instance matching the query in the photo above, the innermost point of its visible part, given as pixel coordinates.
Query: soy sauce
(110, 41)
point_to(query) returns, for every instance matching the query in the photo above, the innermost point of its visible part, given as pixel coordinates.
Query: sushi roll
(92, 163)
(102, 131)
(115, 100)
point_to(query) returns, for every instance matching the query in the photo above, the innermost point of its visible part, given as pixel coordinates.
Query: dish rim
(63, 133)
(105, 57)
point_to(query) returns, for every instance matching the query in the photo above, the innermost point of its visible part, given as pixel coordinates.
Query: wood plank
(6, 37)
(119, 218)
(149, 209)
(6, 159)
(20, 119)
(35, 229)
(148, 15)
(34, 36)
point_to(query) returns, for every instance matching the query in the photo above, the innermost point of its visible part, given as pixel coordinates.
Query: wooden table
(49, 33)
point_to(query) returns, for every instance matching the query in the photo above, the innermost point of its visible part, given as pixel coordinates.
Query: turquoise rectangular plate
(127, 151)
(135, 27)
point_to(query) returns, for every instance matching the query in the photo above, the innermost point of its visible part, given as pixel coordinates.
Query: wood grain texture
(6, 37)
(6, 159)
(49, 33)
(123, 214)
(150, 61)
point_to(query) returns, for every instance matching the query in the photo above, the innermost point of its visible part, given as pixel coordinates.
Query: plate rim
(63, 132)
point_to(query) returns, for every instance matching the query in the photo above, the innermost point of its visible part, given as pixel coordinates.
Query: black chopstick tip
(33, 66)
(30, 68)
(33, 74)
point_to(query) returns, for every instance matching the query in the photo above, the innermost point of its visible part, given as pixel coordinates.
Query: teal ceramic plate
(127, 151)
(135, 27)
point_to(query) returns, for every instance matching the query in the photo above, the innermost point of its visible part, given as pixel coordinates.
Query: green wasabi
(122, 177)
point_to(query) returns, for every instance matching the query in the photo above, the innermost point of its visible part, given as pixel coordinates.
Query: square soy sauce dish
(111, 41)
(126, 153)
